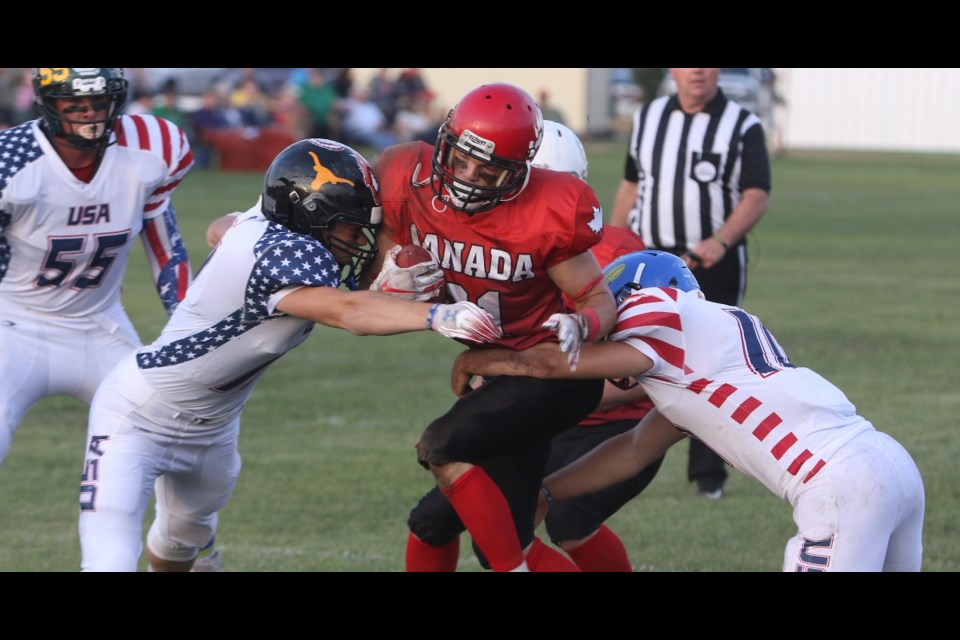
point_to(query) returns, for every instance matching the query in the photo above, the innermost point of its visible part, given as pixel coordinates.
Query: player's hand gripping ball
(413, 273)
(411, 254)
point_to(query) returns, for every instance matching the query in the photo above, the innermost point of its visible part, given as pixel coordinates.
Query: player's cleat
(208, 563)
(710, 488)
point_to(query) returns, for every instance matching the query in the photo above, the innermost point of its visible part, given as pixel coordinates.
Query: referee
(696, 180)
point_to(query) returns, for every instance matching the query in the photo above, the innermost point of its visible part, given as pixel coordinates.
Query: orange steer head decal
(324, 175)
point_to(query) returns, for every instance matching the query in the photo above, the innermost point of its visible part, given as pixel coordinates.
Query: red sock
(486, 515)
(544, 559)
(604, 552)
(423, 557)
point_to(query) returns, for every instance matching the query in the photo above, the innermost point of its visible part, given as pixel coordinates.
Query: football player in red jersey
(578, 525)
(513, 239)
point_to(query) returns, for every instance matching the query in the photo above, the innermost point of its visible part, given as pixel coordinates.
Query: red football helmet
(499, 124)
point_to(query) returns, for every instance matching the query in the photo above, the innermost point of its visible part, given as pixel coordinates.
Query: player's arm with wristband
(596, 311)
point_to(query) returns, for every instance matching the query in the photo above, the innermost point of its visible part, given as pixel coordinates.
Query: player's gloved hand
(463, 320)
(571, 329)
(421, 282)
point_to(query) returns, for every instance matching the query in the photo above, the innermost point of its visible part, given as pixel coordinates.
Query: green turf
(853, 268)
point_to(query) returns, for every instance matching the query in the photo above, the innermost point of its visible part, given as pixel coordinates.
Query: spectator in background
(252, 102)
(362, 122)
(168, 107)
(142, 103)
(409, 83)
(382, 92)
(289, 114)
(343, 81)
(420, 121)
(213, 115)
(24, 107)
(550, 112)
(696, 180)
(318, 96)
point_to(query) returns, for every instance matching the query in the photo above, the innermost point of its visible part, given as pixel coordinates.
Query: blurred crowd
(240, 118)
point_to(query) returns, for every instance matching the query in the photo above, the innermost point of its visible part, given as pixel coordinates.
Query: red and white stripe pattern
(164, 139)
(722, 394)
(720, 374)
(649, 321)
(161, 237)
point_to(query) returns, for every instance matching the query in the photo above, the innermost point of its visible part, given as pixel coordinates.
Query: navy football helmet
(105, 86)
(315, 183)
(647, 268)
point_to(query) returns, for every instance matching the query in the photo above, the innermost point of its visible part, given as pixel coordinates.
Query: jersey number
(762, 352)
(58, 265)
(489, 302)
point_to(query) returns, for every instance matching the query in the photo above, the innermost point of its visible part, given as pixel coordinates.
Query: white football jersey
(720, 375)
(64, 243)
(226, 332)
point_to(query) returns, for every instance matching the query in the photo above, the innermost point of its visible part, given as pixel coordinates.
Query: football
(412, 254)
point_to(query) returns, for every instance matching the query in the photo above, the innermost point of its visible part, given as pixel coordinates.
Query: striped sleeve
(165, 140)
(649, 321)
(167, 257)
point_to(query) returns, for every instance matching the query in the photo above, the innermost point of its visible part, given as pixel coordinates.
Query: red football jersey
(497, 259)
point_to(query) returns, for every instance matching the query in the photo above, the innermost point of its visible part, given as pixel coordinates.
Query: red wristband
(591, 321)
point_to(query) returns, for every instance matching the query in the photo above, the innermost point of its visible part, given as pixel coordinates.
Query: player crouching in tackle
(168, 416)
(716, 372)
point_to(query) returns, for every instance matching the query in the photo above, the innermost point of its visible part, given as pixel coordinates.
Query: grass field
(853, 268)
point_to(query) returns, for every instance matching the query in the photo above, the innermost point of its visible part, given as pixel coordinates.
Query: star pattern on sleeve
(286, 259)
(18, 147)
(283, 259)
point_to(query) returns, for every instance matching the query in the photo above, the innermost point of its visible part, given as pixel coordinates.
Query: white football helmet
(561, 150)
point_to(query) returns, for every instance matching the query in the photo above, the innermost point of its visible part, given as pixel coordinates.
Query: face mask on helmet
(314, 184)
(104, 91)
(498, 126)
(561, 151)
(647, 268)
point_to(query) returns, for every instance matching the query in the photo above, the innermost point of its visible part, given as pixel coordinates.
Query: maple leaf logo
(596, 225)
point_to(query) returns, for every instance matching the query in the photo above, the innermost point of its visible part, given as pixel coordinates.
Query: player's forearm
(609, 463)
(541, 361)
(616, 459)
(359, 312)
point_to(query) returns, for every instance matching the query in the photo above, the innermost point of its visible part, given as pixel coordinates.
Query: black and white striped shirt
(691, 169)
